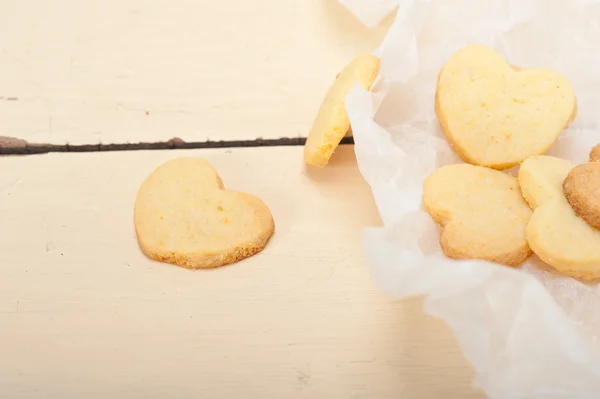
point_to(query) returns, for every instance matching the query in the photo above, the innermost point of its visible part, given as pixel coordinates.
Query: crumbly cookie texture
(331, 123)
(555, 233)
(595, 154)
(481, 212)
(496, 115)
(184, 216)
(582, 190)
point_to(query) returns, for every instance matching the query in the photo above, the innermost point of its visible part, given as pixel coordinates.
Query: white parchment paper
(529, 333)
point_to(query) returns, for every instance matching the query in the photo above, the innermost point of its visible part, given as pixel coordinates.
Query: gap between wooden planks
(85, 314)
(12, 146)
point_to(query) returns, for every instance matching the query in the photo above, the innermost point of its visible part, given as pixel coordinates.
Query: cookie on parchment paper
(555, 233)
(582, 190)
(497, 115)
(481, 212)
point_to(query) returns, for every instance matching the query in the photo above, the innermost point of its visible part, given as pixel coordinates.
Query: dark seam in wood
(24, 148)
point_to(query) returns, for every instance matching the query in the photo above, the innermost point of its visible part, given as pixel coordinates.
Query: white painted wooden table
(83, 314)
(120, 71)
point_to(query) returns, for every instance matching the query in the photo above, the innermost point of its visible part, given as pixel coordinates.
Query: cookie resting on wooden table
(184, 216)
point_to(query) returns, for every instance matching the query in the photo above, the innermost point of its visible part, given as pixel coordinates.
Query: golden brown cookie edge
(210, 260)
(580, 201)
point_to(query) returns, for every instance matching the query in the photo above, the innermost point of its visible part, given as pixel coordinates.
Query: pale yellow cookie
(481, 212)
(497, 115)
(331, 123)
(560, 238)
(183, 215)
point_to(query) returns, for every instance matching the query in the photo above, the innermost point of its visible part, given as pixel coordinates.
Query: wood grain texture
(119, 71)
(84, 314)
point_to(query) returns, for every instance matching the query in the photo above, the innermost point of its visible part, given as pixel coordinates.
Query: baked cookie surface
(582, 190)
(496, 115)
(184, 216)
(595, 154)
(555, 233)
(481, 212)
(331, 123)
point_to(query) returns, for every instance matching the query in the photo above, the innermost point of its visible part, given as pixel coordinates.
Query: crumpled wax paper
(529, 333)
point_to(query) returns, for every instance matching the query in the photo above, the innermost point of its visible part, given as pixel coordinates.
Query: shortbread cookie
(184, 216)
(481, 212)
(497, 115)
(331, 123)
(555, 233)
(595, 154)
(582, 190)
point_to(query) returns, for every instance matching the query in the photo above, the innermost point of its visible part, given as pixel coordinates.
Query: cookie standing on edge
(331, 123)
(496, 115)
(184, 216)
(481, 212)
(555, 233)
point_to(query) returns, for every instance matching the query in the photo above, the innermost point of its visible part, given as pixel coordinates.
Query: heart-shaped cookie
(497, 115)
(481, 212)
(184, 216)
(555, 233)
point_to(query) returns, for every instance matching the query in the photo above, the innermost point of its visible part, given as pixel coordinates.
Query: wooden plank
(84, 314)
(120, 71)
